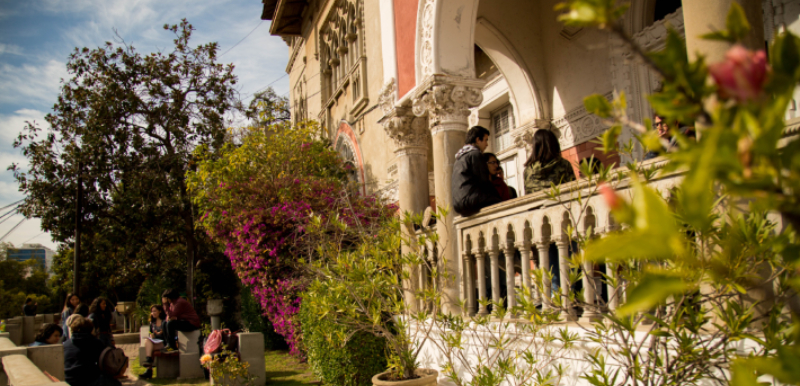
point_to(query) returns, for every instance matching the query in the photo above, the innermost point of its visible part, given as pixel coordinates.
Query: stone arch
(547, 229)
(566, 221)
(527, 233)
(346, 144)
(525, 94)
(495, 240)
(589, 222)
(511, 237)
(445, 38)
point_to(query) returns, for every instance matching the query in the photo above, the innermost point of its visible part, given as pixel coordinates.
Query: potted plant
(359, 285)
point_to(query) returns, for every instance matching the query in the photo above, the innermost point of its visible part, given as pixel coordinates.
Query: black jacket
(81, 354)
(472, 187)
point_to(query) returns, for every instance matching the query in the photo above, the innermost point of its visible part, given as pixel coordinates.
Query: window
(509, 166)
(502, 123)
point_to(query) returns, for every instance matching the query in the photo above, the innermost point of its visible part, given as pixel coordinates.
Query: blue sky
(37, 36)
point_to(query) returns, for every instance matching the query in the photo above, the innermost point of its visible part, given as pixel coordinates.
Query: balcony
(530, 232)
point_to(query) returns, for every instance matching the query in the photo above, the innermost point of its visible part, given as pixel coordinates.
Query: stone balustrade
(508, 240)
(26, 366)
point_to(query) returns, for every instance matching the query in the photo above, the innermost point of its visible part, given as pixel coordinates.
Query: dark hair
(95, 307)
(170, 294)
(488, 157)
(82, 310)
(545, 148)
(67, 305)
(161, 314)
(46, 331)
(28, 300)
(476, 133)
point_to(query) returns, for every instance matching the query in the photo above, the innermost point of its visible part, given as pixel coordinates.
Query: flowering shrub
(258, 197)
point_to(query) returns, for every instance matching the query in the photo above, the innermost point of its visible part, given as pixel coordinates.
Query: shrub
(354, 364)
(254, 320)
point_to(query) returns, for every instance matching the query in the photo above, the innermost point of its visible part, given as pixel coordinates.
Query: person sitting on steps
(180, 317)
(157, 319)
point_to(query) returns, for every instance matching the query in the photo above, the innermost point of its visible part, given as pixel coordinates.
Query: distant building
(36, 252)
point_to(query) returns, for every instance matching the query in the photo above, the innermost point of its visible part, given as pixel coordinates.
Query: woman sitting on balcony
(545, 164)
(494, 170)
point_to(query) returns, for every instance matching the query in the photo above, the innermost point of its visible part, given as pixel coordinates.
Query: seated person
(100, 315)
(180, 317)
(29, 309)
(545, 164)
(82, 354)
(50, 333)
(494, 169)
(471, 182)
(70, 304)
(157, 319)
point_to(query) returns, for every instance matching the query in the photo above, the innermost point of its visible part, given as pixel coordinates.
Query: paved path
(132, 351)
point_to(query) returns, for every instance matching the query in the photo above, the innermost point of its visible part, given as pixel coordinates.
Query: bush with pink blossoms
(258, 197)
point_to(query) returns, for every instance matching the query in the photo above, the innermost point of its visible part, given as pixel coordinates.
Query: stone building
(397, 83)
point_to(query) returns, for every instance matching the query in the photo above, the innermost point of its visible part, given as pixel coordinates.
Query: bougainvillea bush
(258, 197)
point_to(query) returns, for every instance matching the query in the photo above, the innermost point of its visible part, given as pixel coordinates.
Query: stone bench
(251, 350)
(184, 364)
(48, 358)
(22, 372)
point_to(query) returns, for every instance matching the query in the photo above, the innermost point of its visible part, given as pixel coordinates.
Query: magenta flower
(742, 74)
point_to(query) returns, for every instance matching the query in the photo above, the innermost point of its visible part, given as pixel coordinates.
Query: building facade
(38, 252)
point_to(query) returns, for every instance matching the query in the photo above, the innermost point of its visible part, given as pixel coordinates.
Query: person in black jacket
(472, 187)
(81, 354)
(100, 315)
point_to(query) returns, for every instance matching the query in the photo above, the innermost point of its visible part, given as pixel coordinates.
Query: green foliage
(21, 280)
(253, 320)
(127, 123)
(338, 356)
(227, 369)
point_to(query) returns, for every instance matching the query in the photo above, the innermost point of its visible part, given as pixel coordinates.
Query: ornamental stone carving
(426, 41)
(447, 103)
(407, 131)
(387, 97)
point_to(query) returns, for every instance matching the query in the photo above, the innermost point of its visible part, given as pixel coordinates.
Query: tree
(128, 123)
(268, 108)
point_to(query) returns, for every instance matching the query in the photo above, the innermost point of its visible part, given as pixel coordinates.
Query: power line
(12, 204)
(265, 87)
(245, 37)
(33, 237)
(12, 229)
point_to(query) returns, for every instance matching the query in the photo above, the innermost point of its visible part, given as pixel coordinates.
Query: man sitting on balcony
(472, 184)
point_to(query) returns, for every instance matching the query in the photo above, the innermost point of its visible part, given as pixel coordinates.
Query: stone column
(410, 135)
(510, 288)
(705, 16)
(494, 267)
(480, 269)
(590, 312)
(543, 247)
(469, 285)
(525, 257)
(563, 266)
(613, 291)
(446, 101)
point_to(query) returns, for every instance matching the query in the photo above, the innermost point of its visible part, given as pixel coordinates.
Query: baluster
(469, 286)
(495, 272)
(525, 254)
(544, 262)
(590, 312)
(563, 256)
(480, 255)
(511, 293)
(613, 291)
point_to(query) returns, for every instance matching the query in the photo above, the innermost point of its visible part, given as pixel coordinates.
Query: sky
(37, 36)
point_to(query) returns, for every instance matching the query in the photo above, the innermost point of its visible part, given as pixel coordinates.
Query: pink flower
(612, 200)
(742, 75)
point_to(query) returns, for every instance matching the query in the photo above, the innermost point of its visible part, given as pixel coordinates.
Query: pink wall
(405, 24)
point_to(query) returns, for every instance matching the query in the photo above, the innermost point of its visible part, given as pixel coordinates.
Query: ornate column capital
(446, 99)
(408, 132)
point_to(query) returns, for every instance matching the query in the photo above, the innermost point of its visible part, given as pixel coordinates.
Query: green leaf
(654, 289)
(736, 22)
(598, 105)
(785, 56)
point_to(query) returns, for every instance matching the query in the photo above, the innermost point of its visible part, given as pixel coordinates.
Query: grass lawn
(282, 370)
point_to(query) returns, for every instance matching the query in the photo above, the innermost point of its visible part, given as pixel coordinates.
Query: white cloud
(10, 48)
(30, 231)
(12, 124)
(32, 83)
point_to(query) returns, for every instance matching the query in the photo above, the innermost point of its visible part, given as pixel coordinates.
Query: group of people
(86, 332)
(478, 180)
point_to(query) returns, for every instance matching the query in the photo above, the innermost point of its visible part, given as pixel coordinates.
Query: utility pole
(76, 275)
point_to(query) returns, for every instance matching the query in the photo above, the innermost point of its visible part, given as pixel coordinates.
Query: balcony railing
(506, 241)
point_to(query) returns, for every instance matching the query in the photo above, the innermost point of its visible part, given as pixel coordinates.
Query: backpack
(221, 340)
(112, 361)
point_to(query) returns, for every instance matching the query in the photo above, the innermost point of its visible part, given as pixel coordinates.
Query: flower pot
(214, 307)
(427, 377)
